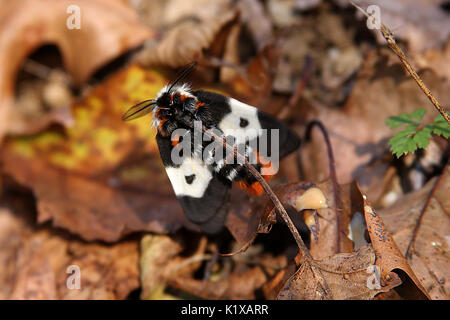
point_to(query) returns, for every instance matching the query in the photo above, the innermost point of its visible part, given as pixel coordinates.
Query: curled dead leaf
(237, 285)
(389, 258)
(108, 28)
(429, 252)
(194, 29)
(346, 274)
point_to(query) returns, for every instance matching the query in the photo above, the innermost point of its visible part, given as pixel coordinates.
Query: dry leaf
(241, 285)
(158, 259)
(35, 262)
(190, 29)
(438, 60)
(347, 275)
(389, 258)
(108, 28)
(321, 41)
(243, 217)
(253, 15)
(424, 24)
(430, 255)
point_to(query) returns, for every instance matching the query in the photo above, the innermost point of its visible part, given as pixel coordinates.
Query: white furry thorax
(184, 89)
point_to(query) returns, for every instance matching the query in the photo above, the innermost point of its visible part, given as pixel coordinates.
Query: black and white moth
(202, 178)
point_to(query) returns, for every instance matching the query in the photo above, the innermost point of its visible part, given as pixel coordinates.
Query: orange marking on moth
(158, 115)
(183, 97)
(160, 129)
(199, 104)
(267, 165)
(256, 188)
(175, 140)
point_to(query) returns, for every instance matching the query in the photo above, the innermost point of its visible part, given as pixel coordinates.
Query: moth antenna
(139, 110)
(187, 70)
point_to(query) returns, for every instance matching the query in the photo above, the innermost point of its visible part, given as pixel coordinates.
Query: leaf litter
(105, 203)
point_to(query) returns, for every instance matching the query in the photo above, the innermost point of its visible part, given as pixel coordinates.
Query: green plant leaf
(397, 121)
(418, 114)
(414, 135)
(422, 138)
(401, 145)
(441, 127)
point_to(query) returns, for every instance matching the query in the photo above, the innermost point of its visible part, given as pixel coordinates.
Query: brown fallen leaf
(430, 252)
(253, 15)
(241, 284)
(103, 176)
(190, 29)
(273, 286)
(35, 261)
(243, 218)
(321, 37)
(438, 60)
(156, 253)
(108, 28)
(43, 97)
(390, 260)
(107, 272)
(161, 260)
(254, 84)
(424, 24)
(347, 274)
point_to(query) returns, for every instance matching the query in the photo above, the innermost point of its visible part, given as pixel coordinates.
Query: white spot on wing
(230, 124)
(232, 174)
(190, 166)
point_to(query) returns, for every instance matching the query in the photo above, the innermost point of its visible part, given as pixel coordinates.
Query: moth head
(164, 100)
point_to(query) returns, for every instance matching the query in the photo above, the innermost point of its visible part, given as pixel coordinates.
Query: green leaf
(403, 146)
(402, 143)
(439, 119)
(441, 127)
(411, 137)
(422, 138)
(418, 114)
(397, 121)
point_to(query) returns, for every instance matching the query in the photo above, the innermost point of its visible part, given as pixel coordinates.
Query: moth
(202, 179)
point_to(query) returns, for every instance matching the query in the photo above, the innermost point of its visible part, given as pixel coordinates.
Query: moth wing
(203, 195)
(243, 121)
(289, 141)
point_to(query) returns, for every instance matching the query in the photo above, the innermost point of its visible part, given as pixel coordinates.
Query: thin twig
(389, 37)
(41, 71)
(280, 209)
(333, 175)
(305, 74)
(242, 249)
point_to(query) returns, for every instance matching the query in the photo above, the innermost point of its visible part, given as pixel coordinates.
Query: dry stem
(389, 36)
(306, 255)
